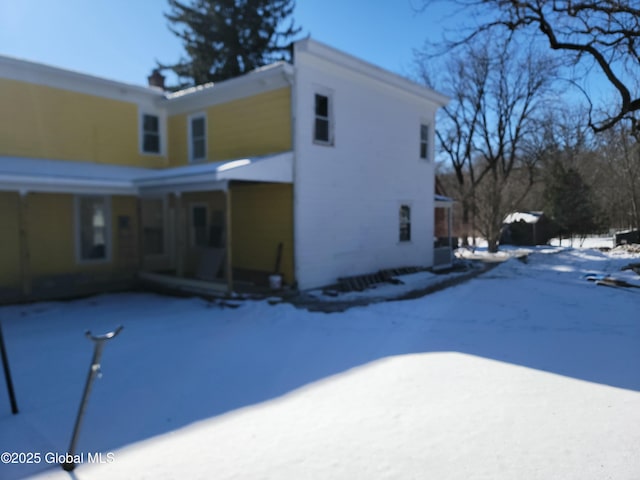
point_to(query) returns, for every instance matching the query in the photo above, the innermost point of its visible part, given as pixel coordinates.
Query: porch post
(23, 231)
(179, 234)
(228, 239)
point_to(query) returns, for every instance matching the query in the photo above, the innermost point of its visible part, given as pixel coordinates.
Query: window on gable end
(322, 128)
(424, 141)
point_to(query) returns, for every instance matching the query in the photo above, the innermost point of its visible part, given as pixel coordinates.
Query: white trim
(107, 231)
(271, 77)
(190, 119)
(39, 74)
(85, 178)
(344, 60)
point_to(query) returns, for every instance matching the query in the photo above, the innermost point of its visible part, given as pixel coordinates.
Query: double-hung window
(150, 133)
(197, 137)
(93, 232)
(424, 141)
(323, 128)
(405, 223)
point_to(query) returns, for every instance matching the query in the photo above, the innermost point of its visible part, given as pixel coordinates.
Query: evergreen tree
(226, 38)
(569, 201)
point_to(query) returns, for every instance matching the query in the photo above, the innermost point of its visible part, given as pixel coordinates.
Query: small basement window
(150, 133)
(405, 223)
(322, 133)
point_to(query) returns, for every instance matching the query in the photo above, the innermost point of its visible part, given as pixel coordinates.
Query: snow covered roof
(527, 217)
(63, 176)
(442, 198)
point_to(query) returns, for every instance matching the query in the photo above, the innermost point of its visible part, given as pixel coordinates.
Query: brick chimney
(156, 79)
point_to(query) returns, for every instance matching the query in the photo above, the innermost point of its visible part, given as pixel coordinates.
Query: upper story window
(405, 223)
(150, 133)
(323, 128)
(424, 141)
(93, 232)
(197, 137)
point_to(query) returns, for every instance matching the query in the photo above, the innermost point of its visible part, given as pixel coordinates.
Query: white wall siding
(348, 196)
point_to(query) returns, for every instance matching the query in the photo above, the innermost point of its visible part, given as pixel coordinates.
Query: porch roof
(63, 176)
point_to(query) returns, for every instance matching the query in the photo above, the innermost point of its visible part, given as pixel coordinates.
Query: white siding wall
(347, 196)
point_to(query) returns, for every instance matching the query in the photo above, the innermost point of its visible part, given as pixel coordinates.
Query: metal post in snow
(94, 371)
(7, 374)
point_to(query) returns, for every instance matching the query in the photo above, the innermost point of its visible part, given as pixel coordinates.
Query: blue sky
(121, 39)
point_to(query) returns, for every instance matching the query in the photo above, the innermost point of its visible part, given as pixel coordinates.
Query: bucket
(275, 282)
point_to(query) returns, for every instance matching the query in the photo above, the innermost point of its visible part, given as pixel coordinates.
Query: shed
(528, 228)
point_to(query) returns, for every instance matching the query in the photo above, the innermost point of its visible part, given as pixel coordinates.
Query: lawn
(528, 371)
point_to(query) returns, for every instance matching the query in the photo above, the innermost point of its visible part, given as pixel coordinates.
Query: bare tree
(601, 35)
(620, 158)
(497, 89)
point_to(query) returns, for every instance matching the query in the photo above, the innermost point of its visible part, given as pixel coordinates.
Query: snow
(527, 217)
(527, 371)
(407, 284)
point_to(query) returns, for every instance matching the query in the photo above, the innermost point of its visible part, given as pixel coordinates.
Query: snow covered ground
(526, 372)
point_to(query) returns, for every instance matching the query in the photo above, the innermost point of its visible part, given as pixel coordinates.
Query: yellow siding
(52, 240)
(248, 127)
(44, 122)
(261, 218)
(50, 233)
(10, 241)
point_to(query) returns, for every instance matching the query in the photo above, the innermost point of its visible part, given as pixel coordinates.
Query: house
(319, 168)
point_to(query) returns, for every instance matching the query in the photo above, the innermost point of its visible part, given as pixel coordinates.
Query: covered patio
(210, 227)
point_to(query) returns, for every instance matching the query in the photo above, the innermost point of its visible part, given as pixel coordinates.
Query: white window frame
(207, 225)
(190, 138)
(329, 118)
(410, 207)
(165, 228)
(107, 230)
(425, 141)
(141, 133)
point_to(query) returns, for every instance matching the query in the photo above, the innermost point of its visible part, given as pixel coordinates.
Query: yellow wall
(251, 126)
(44, 122)
(261, 218)
(52, 240)
(9, 241)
